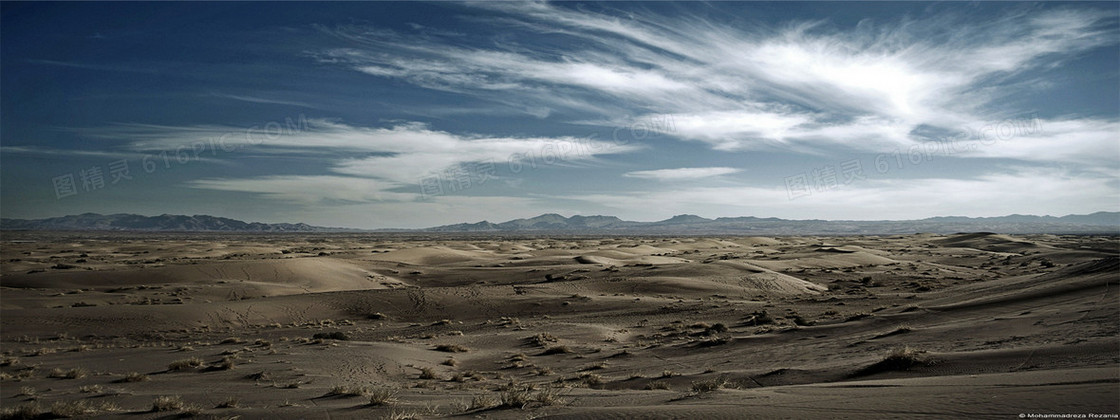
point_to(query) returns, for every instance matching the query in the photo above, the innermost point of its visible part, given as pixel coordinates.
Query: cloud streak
(682, 174)
(800, 86)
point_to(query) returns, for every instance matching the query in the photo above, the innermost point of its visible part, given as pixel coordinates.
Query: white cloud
(1018, 190)
(403, 153)
(797, 87)
(309, 189)
(681, 174)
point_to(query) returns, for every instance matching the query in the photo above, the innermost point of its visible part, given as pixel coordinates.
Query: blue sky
(419, 114)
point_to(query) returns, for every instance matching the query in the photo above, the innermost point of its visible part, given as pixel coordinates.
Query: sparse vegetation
(758, 318)
(900, 359)
(60, 409)
(333, 335)
(428, 373)
(348, 391)
(556, 350)
(592, 380)
(541, 340)
(710, 385)
(516, 397)
(226, 363)
(484, 401)
(184, 364)
(76, 373)
(452, 348)
(382, 396)
(168, 403)
(657, 385)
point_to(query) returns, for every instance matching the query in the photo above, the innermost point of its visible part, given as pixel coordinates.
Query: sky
(407, 114)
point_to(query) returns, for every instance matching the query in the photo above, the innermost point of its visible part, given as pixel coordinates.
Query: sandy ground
(339, 326)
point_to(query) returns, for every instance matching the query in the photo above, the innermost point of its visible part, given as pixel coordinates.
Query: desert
(560, 210)
(147, 325)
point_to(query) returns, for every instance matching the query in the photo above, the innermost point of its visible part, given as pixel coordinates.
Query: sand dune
(922, 326)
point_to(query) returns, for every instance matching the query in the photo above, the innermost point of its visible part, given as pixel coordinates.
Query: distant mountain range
(161, 223)
(685, 224)
(1100, 222)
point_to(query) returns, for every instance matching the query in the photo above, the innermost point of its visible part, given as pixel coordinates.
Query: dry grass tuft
(230, 402)
(556, 350)
(76, 373)
(60, 409)
(382, 396)
(541, 340)
(168, 403)
(428, 373)
(452, 348)
(711, 385)
(657, 385)
(184, 364)
(899, 359)
(348, 391)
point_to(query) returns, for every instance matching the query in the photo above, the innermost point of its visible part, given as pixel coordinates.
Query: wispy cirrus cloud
(365, 163)
(310, 189)
(797, 85)
(682, 174)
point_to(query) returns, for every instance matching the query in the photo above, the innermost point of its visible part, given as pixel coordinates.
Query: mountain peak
(162, 223)
(685, 218)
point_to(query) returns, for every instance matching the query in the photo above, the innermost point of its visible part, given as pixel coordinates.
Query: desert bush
(75, 373)
(541, 340)
(452, 348)
(80, 408)
(168, 403)
(334, 335)
(899, 359)
(597, 366)
(29, 411)
(857, 317)
(516, 398)
(482, 402)
(556, 350)
(712, 342)
(428, 373)
(226, 363)
(132, 377)
(547, 397)
(184, 364)
(382, 396)
(404, 415)
(657, 385)
(702, 387)
(349, 391)
(802, 322)
(592, 380)
(759, 318)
